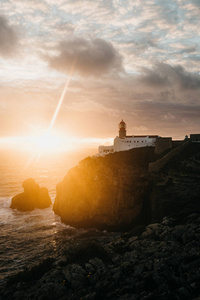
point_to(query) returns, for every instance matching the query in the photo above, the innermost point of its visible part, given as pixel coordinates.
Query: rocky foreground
(159, 261)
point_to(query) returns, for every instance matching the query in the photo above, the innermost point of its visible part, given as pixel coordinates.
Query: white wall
(103, 150)
(127, 144)
(132, 142)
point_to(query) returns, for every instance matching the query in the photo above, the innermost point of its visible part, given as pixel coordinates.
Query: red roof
(142, 136)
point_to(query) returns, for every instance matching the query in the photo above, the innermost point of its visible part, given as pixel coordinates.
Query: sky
(121, 59)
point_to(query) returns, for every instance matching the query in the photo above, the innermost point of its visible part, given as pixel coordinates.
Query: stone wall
(155, 167)
(163, 144)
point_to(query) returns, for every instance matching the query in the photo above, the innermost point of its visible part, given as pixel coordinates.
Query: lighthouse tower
(122, 129)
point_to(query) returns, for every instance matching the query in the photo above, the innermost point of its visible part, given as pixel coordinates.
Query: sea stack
(33, 196)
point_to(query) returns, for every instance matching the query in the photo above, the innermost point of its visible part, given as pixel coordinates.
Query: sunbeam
(62, 96)
(47, 137)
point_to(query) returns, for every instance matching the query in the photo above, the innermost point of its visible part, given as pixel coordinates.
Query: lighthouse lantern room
(122, 129)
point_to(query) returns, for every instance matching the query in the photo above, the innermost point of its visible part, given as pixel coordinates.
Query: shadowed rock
(33, 196)
(105, 193)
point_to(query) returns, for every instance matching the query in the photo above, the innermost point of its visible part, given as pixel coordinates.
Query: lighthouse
(122, 129)
(125, 142)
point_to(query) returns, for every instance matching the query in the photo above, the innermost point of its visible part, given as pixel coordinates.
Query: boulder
(33, 196)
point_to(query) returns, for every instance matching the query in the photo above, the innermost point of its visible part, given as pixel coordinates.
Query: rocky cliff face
(118, 191)
(105, 192)
(176, 187)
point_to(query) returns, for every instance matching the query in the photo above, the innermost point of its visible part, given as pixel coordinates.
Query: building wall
(133, 142)
(127, 144)
(195, 137)
(103, 150)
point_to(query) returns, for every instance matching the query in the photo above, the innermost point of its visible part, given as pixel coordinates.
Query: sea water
(28, 237)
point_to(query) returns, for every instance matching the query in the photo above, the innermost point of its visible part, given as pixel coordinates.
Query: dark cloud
(196, 2)
(91, 57)
(140, 45)
(189, 50)
(166, 75)
(8, 38)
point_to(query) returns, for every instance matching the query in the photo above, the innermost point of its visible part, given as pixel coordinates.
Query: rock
(33, 196)
(103, 193)
(76, 276)
(50, 291)
(150, 268)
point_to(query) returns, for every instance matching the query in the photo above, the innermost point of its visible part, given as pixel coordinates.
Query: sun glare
(51, 142)
(46, 143)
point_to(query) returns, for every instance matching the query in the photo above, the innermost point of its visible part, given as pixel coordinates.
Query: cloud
(8, 38)
(91, 57)
(163, 74)
(66, 27)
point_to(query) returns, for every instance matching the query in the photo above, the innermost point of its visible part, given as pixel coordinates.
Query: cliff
(118, 191)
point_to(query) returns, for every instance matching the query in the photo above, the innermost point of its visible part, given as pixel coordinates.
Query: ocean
(28, 237)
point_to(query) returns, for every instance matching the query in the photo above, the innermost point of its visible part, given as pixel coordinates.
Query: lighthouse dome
(122, 125)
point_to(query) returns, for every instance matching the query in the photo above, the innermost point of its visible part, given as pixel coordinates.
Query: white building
(125, 142)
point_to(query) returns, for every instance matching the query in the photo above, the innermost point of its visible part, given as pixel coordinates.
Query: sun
(51, 142)
(47, 142)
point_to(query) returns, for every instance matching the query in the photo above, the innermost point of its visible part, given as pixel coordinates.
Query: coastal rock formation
(158, 260)
(118, 190)
(105, 192)
(33, 196)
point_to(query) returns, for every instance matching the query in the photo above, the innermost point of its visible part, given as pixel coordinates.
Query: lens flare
(62, 96)
(47, 136)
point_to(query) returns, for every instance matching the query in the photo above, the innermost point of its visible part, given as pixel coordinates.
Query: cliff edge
(118, 191)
